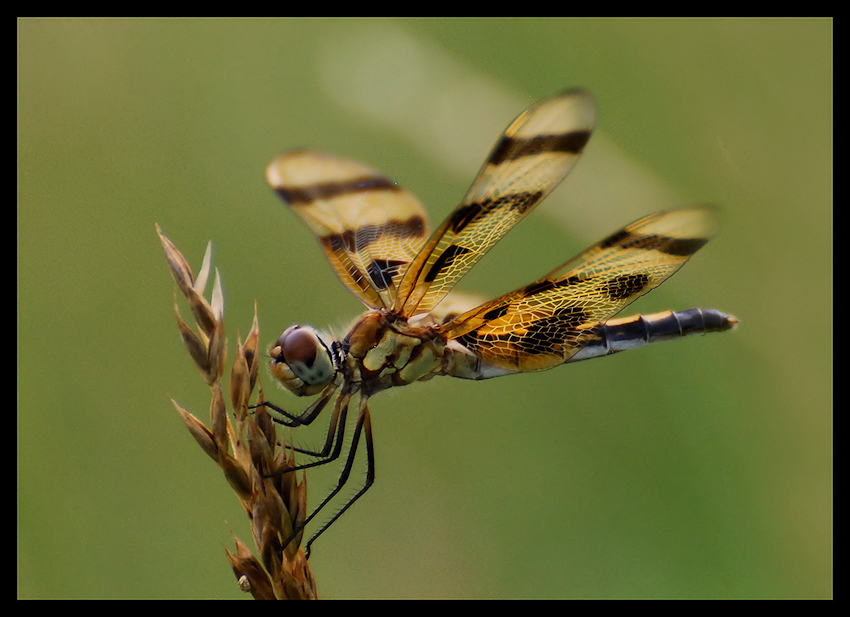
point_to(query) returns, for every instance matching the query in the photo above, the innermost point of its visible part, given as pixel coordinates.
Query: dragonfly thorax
(385, 351)
(302, 361)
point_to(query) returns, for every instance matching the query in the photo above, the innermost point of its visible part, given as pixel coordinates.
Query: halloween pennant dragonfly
(376, 236)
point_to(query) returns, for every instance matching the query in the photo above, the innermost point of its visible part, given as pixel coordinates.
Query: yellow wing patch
(543, 324)
(535, 153)
(368, 226)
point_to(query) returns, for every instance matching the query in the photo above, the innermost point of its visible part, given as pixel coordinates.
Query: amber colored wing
(535, 153)
(544, 324)
(369, 227)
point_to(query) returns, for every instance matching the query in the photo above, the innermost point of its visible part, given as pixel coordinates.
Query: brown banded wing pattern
(535, 153)
(376, 236)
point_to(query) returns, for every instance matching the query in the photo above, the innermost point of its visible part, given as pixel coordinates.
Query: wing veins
(535, 153)
(545, 323)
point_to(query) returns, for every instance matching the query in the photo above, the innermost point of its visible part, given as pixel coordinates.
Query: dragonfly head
(301, 361)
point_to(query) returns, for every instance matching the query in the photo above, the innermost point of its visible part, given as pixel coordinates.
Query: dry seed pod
(247, 452)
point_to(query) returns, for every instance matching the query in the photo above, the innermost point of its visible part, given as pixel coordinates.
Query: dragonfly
(415, 327)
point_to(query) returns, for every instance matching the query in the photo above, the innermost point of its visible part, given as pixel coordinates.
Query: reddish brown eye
(298, 346)
(302, 360)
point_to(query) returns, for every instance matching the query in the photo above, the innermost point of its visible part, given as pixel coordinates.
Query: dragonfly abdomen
(635, 331)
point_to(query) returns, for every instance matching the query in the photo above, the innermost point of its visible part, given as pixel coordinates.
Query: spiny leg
(305, 417)
(335, 427)
(335, 434)
(364, 421)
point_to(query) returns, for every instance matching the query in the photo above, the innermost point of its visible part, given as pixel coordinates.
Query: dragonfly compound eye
(306, 354)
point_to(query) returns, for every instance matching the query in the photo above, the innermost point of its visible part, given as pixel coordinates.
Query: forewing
(368, 226)
(535, 153)
(544, 324)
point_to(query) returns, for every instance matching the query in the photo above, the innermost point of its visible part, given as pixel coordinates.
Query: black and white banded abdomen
(635, 331)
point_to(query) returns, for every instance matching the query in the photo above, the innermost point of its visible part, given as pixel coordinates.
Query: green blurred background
(701, 468)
